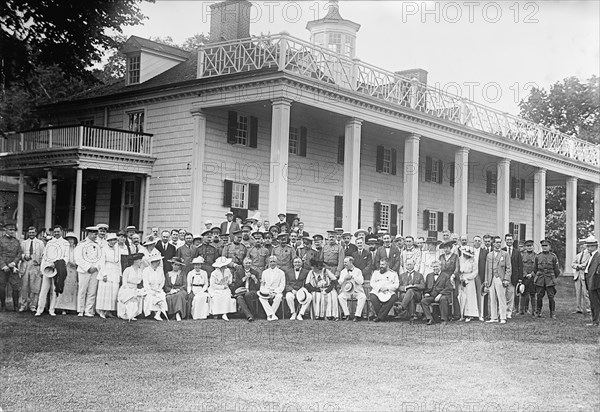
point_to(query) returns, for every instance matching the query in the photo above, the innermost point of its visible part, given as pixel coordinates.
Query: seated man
(351, 280)
(245, 286)
(384, 284)
(410, 290)
(438, 289)
(294, 282)
(272, 284)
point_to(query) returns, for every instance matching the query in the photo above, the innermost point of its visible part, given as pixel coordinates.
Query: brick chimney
(229, 20)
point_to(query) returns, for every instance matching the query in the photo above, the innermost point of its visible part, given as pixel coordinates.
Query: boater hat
(197, 260)
(347, 286)
(154, 258)
(302, 296)
(240, 291)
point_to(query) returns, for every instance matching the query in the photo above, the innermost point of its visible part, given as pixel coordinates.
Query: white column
(502, 197)
(597, 211)
(198, 149)
(411, 184)
(20, 205)
(571, 225)
(78, 196)
(146, 204)
(351, 192)
(48, 215)
(539, 207)
(280, 142)
(461, 187)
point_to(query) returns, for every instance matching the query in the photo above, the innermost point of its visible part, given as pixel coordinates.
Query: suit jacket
(418, 281)
(167, 254)
(348, 251)
(364, 262)
(502, 263)
(234, 227)
(592, 277)
(580, 263)
(393, 260)
(441, 286)
(516, 264)
(238, 282)
(481, 264)
(291, 283)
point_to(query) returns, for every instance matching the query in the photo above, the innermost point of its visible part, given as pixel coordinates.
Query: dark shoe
(539, 314)
(521, 313)
(430, 322)
(552, 316)
(346, 317)
(356, 318)
(376, 320)
(250, 319)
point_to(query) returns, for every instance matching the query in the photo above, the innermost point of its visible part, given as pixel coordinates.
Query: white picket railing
(285, 53)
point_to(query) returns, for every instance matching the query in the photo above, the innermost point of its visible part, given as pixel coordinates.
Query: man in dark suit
(348, 247)
(249, 279)
(363, 259)
(516, 276)
(230, 225)
(295, 280)
(438, 289)
(480, 257)
(592, 279)
(389, 251)
(412, 284)
(167, 250)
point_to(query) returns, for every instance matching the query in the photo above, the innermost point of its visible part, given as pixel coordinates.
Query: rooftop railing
(288, 54)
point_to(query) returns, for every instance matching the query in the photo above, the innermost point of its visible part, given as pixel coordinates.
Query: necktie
(31, 248)
(510, 251)
(410, 278)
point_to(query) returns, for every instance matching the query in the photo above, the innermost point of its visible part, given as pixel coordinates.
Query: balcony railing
(81, 137)
(288, 54)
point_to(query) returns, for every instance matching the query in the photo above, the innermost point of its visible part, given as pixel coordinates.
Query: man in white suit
(57, 248)
(497, 278)
(271, 288)
(88, 257)
(581, 293)
(33, 250)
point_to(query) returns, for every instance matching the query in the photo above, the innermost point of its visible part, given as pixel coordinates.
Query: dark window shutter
(452, 172)
(451, 222)
(393, 219)
(341, 149)
(228, 189)
(428, 167)
(114, 217)
(338, 211)
(376, 214)
(303, 139)
(254, 132)
(425, 219)
(522, 189)
(394, 155)
(440, 221)
(513, 187)
(488, 182)
(440, 172)
(253, 197)
(359, 212)
(522, 230)
(232, 127)
(379, 163)
(511, 228)
(88, 203)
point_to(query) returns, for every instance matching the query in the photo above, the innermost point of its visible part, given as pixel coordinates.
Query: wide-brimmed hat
(281, 213)
(449, 243)
(111, 236)
(92, 228)
(263, 294)
(221, 261)
(177, 261)
(150, 240)
(317, 263)
(71, 235)
(359, 231)
(154, 258)
(274, 227)
(302, 296)
(591, 241)
(49, 271)
(136, 256)
(198, 259)
(347, 286)
(229, 213)
(282, 234)
(240, 291)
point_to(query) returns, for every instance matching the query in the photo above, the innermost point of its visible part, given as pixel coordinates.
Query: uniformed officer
(258, 253)
(528, 257)
(235, 250)
(247, 239)
(546, 271)
(285, 254)
(207, 250)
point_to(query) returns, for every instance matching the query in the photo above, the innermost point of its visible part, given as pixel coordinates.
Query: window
(294, 141)
(239, 196)
(241, 134)
(242, 129)
(515, 232)
(387, 160)
(133, 69)
(434, 170)
(348, 45)
(334, 42)
(341, 149)
(384, 216)
(517, 188)
(136, 121)
(127, 207)
(433, 223)
(491, 182)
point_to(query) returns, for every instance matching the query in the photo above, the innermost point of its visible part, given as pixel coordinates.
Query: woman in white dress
(109, 277)
(221, 301)
(67, 300)
(467, 294)
(131, 294)
(154, 280)
(197, 287)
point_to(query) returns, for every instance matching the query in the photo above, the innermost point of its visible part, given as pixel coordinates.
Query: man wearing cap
(31, 277)
(410, 288)
(581, 293)
(348, 247)
(230, 225)
(282, 224)
(315, 252)
(546, 269)
(390, 252)
(102, 231)
(497, 279)
(295, 280)
(528, 258)
(333, 255)
(88, 257)
(516, 264)
(167, 250)
(235, 251)
(207, 251)
(410, 252)
(362, 258)
(258, 253)
(247, 239)
(592, 279)
(351, 280)
(10, 255)
(208, 224)
(244, 288)
(272, 285)
(301, 252)
(284, 253)
(384, 284)
(130, 230)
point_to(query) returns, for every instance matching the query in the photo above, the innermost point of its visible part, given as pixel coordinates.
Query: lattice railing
(285, 53)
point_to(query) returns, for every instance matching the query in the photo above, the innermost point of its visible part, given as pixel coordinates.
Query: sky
(492, 52)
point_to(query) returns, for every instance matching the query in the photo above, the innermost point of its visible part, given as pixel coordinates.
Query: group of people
(245, 266)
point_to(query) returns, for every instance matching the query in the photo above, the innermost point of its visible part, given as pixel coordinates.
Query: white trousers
(271, 309)
(47, 286)
(360, 297)
(86, 293)
(497, 299)
(291, 299)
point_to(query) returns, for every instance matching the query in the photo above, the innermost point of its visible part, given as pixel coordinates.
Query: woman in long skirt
(131, 294)
(109, 277)
(176, 290)
(67, 300)
(467, 294)
(154, 280)
(321, 282)
(197, 287)
(221, 301)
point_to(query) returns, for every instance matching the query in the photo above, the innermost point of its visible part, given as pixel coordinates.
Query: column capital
(540, 170)
(197, 111)
(414, 136)
(354, 121)
(464, 150)
(281, 101)
(504, 161)
(572, 179)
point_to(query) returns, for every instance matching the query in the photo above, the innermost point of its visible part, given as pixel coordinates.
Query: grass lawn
(71, 363)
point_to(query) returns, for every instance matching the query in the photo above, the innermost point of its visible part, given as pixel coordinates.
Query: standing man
(363, 259)
(497, 279)
(167, 250)
(348, 247)
(480, 258)
(207, 251)
(282, 224)
(581, 293)
(546, 270)
(33, 250)
(333, 255)
(258, 253)
(390, 252)
(187, 252)
(10, 255)
(102, 232)
(384, 284)
(592, 279)
(528, 257)
(410, 252)
(229, 226)
(516, 276)
(284, 253)
(351, 280)
(235, 251)
(88, 257)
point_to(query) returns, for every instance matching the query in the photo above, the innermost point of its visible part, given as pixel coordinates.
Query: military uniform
(209, 254)
(546, 271)
(333, 256)
(236, 253)
(528, 281)
(285, 257)
(10, 255)
(259, 255)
